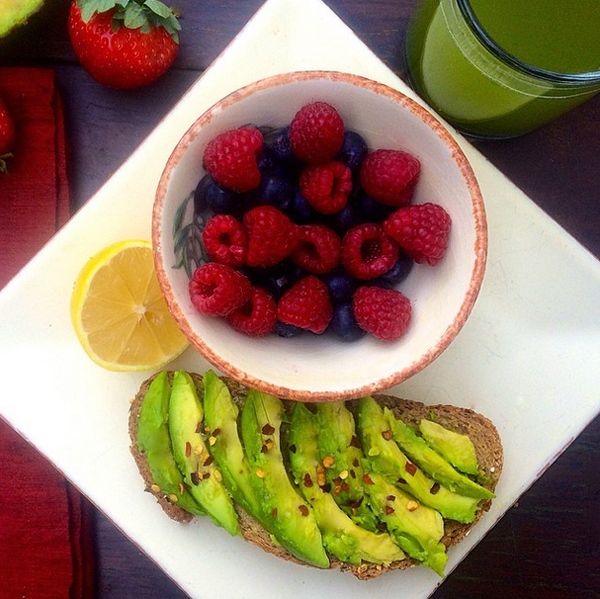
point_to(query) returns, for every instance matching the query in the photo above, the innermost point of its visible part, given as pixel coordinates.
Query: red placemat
(45, 524)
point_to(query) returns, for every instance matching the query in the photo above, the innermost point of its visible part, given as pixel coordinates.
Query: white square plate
(528, 357)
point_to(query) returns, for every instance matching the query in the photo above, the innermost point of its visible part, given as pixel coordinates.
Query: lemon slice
(119, 313)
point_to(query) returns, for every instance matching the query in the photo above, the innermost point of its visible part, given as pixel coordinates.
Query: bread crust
(481, 430)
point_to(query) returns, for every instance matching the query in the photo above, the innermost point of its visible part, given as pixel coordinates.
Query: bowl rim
(477, 206)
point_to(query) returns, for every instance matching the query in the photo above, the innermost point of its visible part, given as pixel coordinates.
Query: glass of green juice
(501, 68)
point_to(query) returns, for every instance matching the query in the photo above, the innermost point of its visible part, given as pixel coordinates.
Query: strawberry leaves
(133, 14)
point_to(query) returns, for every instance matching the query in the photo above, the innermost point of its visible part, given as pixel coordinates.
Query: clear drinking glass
(500, 68)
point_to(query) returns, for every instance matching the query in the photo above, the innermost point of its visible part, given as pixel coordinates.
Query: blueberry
(300, 211)
(287, 330)
(344, 325)
(396, 274)
(274, 189)
(354, 150)
(200, 203)
(279, 142)
(371, 210)
(344, 220)
(275, 280)
(341, 286)
(224, 201)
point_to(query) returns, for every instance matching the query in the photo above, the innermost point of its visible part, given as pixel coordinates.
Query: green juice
(499, 68)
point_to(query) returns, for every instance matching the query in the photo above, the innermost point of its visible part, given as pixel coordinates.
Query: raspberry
(390, 176)
(385, 313)
(367, 252)
(422, 231)
(316, 133)
(218, 290)
(271, 236)
(306, 305)
(231, 158)
(318, 249)
(257, 317)
(225, 240)
(326, 187)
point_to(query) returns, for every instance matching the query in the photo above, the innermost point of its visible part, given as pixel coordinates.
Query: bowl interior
(312, 368)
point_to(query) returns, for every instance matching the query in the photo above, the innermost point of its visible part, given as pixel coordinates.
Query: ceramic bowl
(319, 368)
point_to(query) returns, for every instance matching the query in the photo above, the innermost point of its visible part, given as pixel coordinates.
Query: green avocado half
(14, 13)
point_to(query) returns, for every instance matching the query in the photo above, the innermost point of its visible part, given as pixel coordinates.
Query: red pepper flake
(391, 498)
(308, 480)
(268, 429)
(195, 478)
(354, 442)
(352, 474)
(199, 427)
(345, 487)
(435, 488)
(303, 510)
(381, 526)
(216, 432)
(355, 462)
(188, 449)
(401, 481)
(264, 448)
(209, 460)
(388, 509)
(293, 448)
(387, 435)
(367, 479)
(337, 480)
(326, 487)
(206, 475)
(274, 513)
(337, 490)
(410, 468)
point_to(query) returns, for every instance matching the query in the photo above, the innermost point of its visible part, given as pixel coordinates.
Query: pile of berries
(310, 230)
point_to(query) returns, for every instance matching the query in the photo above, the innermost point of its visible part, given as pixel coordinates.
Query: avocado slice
(154, 442)
(192, 455)
(342, 537)
(221, 413)
(432, 463)
(340, 450)
(454, 447)
(417, 528)
(293, 520)
(15, 13)
(387, 459)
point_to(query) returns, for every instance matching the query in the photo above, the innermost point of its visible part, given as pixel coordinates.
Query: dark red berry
(306, 305)
(271, 236)
(231, 158)
(225, 240)
(367, 252)
(390, 176)
(218, 290)
(316, 133)
(317, 250)
(326, 187)
(385, 313)
(257, 317)
(422, 231)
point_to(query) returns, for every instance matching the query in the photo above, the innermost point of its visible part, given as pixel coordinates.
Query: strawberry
(8, 134)
(124, 43)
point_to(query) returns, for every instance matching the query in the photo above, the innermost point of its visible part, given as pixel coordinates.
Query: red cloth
(45, 524)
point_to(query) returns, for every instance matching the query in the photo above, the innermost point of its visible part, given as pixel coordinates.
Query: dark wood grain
(547, 545)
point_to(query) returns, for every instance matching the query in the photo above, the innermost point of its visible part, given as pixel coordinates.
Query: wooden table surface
(547, 545)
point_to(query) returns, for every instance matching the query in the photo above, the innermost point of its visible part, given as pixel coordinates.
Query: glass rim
(537, 72)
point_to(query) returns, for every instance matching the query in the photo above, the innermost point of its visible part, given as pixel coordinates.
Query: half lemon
(119, 312)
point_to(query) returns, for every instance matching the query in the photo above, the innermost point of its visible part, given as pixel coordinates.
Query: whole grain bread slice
(481, 430)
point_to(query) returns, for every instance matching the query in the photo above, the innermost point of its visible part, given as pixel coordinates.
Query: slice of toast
(481, 431)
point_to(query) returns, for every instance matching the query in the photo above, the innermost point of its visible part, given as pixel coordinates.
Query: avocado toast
(353, 499)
